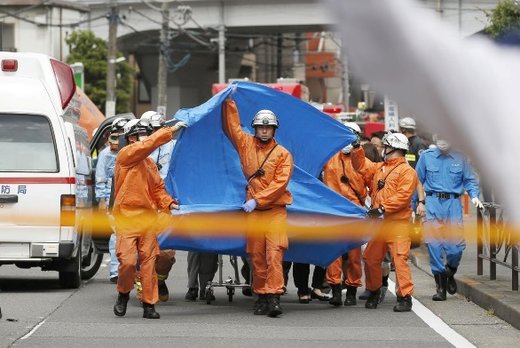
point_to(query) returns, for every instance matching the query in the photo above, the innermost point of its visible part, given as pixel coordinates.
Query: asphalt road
(36, 312)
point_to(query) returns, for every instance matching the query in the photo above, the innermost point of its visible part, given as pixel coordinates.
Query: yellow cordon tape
(305, 227)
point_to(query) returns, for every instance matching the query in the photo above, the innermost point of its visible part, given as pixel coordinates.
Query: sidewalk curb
(501, 302)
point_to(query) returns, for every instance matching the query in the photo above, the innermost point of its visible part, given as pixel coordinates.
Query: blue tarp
(205, 173)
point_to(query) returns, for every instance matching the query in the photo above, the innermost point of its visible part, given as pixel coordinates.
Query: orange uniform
(139, 196)
(270, 193)
(339, 175)
(400, 182)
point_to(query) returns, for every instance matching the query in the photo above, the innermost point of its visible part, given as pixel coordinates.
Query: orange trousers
(354, 272)
(266, 245)
(145, 244)
(395, 237)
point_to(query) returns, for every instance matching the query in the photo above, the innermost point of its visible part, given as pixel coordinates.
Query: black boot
(440, 281)
(120, 306)
(164, 294)
(336, 295)
(452, 284)
(364, 295)
(260, 307)
(404, 304)
(149, 311)
(192, 294)
(384, 289)
(373, 299)
(274, 308)
(350, 299)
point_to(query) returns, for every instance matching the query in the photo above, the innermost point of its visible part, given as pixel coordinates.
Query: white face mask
(347, 149)
(443, 145)
(142, 137)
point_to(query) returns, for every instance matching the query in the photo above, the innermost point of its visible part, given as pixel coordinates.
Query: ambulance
(46, 183)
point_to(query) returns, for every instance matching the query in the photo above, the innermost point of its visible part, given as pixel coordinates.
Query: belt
(443, 195)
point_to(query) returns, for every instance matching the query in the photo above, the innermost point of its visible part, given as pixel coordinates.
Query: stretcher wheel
(209, 295)
(230, 293)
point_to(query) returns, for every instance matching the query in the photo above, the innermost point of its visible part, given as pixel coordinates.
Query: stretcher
(230, 283)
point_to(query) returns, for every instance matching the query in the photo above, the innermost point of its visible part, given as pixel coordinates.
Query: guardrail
(494, 243)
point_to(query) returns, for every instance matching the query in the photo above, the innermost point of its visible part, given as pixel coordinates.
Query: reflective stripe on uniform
(410, 157)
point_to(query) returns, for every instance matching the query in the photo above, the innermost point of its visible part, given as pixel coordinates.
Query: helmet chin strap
(388, 153)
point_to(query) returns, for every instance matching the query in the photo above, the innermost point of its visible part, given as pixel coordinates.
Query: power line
(25, 9)
(192, 35)
(66, 25)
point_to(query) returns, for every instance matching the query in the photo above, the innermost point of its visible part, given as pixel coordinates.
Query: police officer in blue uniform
(445, 174)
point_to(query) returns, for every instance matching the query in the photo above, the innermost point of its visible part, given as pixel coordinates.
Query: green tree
(504, 18)
(92, 51)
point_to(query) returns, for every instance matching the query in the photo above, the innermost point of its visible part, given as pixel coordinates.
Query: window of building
(7, 37)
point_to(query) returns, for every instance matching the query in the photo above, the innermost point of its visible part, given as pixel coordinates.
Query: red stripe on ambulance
(51, 180)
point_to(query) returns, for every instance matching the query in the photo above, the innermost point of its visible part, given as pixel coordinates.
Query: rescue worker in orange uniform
(339, 175)
(166, 258)
(268, 167)
(140, 195)
(392, 184)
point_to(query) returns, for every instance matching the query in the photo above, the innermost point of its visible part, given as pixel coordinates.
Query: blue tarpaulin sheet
(205, 173)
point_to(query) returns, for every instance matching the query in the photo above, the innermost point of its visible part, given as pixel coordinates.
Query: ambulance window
(27, 144)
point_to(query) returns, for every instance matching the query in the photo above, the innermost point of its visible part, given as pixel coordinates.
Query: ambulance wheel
(71, 277)
(91, 262)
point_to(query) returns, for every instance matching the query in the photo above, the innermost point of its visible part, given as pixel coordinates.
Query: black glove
(356, 143)
(376, 212)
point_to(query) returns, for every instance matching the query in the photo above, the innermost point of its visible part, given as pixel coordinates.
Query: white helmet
(155, 119)
(148, 115)
(407, 123)
(396, 141)
(265, 118)
(135, 126)
(353, 126)
(118, 124)
(129, 126)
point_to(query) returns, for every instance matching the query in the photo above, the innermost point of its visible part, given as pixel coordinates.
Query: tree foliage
(504, 18)
(92, 51)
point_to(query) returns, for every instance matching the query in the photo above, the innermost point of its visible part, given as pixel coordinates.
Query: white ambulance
(45, 170)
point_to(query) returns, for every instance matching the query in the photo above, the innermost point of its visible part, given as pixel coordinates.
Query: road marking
(436, 323)
(33, 330)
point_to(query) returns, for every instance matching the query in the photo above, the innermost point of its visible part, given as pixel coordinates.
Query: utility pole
(162, 71)
(440, 7)
(221, 47)
(110, 105)
(345, 86)
(279, 51)
(460, 18)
